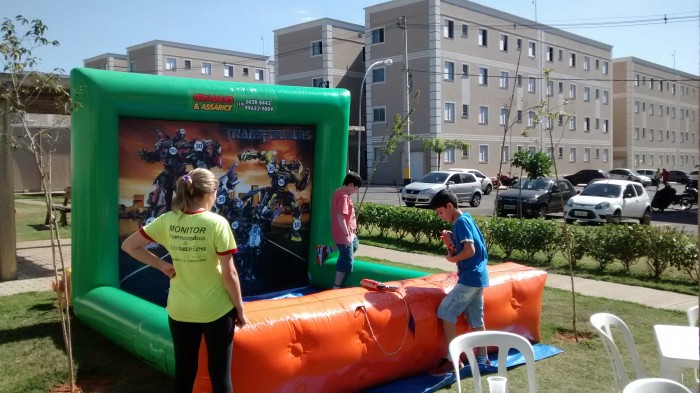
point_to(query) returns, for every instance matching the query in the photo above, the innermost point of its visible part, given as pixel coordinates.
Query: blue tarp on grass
(426, 383)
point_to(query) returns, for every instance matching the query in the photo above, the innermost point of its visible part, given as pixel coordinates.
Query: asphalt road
(686, 220)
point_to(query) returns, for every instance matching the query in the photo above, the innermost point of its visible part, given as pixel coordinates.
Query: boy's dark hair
(442, 198)
(352, 178)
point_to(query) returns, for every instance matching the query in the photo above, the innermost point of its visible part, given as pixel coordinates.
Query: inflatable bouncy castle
(279, 152)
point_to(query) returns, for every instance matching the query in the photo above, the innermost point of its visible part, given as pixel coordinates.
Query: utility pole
(407, 105)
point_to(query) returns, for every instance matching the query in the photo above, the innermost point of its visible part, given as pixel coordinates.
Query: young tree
(439, 146)
(24, 89)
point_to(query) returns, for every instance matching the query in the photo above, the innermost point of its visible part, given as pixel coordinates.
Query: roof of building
(321, 22)
(198, 48)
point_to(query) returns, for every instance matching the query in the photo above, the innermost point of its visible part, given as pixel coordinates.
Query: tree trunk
(8, 236)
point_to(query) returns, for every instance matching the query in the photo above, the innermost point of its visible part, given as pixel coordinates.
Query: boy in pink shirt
(343, 226)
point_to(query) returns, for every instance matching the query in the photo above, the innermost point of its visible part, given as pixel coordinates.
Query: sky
(87, 28)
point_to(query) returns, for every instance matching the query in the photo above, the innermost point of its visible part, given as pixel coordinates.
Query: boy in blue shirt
(471, 258)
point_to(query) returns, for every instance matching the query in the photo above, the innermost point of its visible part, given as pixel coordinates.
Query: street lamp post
(359, 108)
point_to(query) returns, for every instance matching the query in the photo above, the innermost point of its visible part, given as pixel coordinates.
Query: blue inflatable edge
(425, 383)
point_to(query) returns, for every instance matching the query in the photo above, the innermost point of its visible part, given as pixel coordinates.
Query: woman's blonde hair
(194, 185)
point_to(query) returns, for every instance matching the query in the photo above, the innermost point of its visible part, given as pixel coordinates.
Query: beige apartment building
(464, 60)
(160, 57)
(655, 112)
(326, 53)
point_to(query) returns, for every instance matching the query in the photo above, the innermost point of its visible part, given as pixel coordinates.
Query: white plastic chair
(655, 385)
(693, 315)
(602, 322)
(466, 343)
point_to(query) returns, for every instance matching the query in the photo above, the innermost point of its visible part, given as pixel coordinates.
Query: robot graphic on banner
(277, 196)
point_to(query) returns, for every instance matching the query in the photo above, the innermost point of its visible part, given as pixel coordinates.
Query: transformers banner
(264, 192)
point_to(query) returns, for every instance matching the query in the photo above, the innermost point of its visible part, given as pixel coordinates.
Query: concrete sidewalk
(35, 273)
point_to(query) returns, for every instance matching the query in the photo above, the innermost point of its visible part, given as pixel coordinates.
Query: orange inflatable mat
(351, 339)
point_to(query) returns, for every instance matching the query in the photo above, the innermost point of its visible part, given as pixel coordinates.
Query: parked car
(584, 176)
(693, 175)
(464, 185)
(650, 173)
(617, 198)
(486, 183)
(538, 197)
(681, 177)
(628, 174)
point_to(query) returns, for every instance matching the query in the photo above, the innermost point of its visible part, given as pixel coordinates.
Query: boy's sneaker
(442, 367)
(483, 360)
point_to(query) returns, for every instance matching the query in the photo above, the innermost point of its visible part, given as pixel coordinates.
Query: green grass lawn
(30, 217)
(30, 335)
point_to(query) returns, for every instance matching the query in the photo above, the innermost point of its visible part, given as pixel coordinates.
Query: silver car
(465, 186)
(486, 183)
(628, 174)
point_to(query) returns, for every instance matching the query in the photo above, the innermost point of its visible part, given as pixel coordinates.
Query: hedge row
(658, 247)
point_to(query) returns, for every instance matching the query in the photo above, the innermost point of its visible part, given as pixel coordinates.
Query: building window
(586, 63)
(597, 153)
(483, 153)
(550, 152)
(449, 71)
(206, 68)
(450, 112)
(597, 94)
(519, 117)
(560, 56)
(636, 106)
(466, 152)
(503, 44)
(316, 48)
(379, 114)
(606, 155)
(530, 119)
(636, 133)
(586, 154)
(605, 68)
(379, 155)
(597, 123)
(378, 75)
(651, 109)
(245, 71)
(572, 123)
(378, 36)
(561, 87)
(171, 64)
(132, 66)
(606, 97)
(448, 29)
(450, 155)
(531, 85)
(532, 149)
(572, 60)
(520, 80)
(605, 126)
(465, 30)
(483, 115)
(465, 70)
(572, 154)
(483, 37)
(586, 124)
(188, 64)
(505, 153)
(259, 75)
(531, 49)
(651, 135)
(504, 80)
(636, 79)
(503, 118)
(572, 91)
(549, 55)
(550, 88)
(317, 82)
(483, 76)
(465, 111)
(228, 70)
(586, 94)
(519, 44)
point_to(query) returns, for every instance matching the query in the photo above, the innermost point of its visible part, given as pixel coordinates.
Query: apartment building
(326, 53)
(108, 61)
(464, 60)
(655, 115)
(189, 61)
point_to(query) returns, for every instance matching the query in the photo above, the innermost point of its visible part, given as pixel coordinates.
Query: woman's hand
(167, 269)
(240, 320)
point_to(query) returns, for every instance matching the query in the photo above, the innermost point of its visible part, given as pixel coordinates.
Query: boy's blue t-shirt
(471, 271)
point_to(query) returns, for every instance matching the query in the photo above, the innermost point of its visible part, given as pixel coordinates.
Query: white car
(617, 198)
(486, 183)
(465, 186)
(628, 174)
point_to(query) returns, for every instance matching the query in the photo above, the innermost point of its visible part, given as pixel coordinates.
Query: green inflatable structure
(280, 153)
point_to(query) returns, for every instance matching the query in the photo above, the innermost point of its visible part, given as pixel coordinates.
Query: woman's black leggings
(218, 335)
